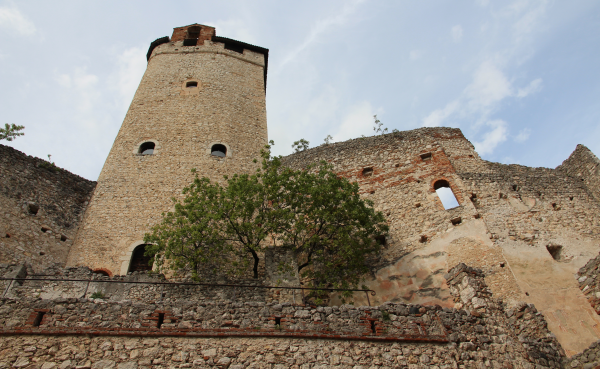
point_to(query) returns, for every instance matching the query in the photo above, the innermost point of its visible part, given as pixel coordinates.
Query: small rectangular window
(426, 156)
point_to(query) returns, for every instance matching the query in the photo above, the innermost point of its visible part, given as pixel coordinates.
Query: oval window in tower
(218, 150)
(147, 148)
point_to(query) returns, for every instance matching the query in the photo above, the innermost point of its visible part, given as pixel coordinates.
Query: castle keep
(508, 278)
(200, 104)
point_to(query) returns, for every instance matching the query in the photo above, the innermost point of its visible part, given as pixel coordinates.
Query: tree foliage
(11, 132)
(314, 214)
(300, 145)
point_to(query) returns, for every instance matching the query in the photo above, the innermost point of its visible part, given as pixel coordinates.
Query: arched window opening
(147, 148)
(139, 261)
(444, 192)
(218, 150)
(191, 84)
(191, 39)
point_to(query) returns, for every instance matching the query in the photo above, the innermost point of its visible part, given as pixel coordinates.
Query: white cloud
(415, 54)
(13, 19)
(131, 65)
(489, 86)
(530, 14)
(436, 117)
(523, 135)
(319, 28)
(533, 87)
(457, 33)
(492, 138)
(83, 87)
(358, 121)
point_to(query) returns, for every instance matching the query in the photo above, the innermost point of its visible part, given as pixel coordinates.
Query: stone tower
(200, 104)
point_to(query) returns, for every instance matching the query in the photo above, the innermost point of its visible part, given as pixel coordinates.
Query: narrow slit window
(147, 148)
(278, 321)
(191, 84)
(218, 150)
(444, 192)
(38, 318)
(161, 320)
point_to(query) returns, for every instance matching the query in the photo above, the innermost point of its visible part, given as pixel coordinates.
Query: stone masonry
(223, 104)
(41, 207)
(230, 331)
(530, 236)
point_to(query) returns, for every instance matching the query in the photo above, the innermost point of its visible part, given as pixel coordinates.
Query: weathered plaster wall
(227, 107)
(60, 197)
(529, 212)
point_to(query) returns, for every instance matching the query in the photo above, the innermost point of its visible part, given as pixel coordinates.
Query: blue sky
(520, 78)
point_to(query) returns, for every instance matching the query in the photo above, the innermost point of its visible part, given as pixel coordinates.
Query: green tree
(313, 213)
(300, 145)
(189, 238)
(11, 132)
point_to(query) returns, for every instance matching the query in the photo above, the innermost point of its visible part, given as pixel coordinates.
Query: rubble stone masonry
(41, 207)
(230, 331)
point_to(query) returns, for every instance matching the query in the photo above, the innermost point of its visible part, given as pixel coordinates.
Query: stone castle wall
(41, 207)
(585, 166)
(230, 332)
(226, 107)
(530, 229)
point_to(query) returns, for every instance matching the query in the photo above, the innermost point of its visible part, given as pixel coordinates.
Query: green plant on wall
(97, 295)
(314, 214)
(300, 145)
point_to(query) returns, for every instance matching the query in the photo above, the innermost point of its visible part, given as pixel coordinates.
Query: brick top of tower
(204, 32)
(195, 34)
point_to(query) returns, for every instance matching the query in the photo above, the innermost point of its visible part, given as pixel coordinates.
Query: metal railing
(162, 284)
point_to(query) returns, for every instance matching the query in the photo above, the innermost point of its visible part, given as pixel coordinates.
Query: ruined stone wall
(547, 225)
(589, 282)
(41, 207)
(405, 166)
(583, 165)
(225, 333)
(226, 106)
(530, 229)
